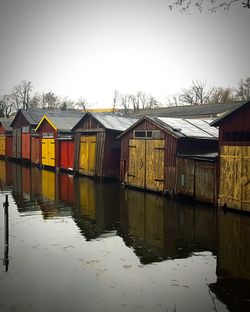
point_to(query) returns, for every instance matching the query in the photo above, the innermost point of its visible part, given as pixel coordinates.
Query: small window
(47, 135)
(140, 134)
(155, 134)
(25, 130)
(148, 134)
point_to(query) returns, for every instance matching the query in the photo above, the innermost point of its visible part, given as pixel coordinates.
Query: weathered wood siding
(167, 143)
(185, 177)
(205, 182)
(26, 140)
(17, 143)
(97, 150)
(20, 121)
(35, 150)
(197, 179)
(234, 173)
(111, 155)
(235, 177)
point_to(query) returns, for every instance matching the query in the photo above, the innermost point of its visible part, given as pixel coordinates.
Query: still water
(80, 245)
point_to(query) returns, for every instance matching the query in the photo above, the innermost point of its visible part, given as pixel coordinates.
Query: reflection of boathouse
(96, 209)
(158, 228)
(233, 262)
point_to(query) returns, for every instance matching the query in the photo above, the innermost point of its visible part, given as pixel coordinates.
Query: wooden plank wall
(235, 177)
(169, 160)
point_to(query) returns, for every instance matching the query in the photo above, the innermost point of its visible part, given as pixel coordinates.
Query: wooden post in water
(6, 234)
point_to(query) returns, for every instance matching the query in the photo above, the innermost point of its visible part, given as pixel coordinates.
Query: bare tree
(36, 101)
(197, 94)
(152, 102)
(173, 100)
(22, 94)
(50, 101)
(243, 91)
(184, 6)
(134, 102)
(66, 103)
(6, 105)
(115, 100)
(222, 95)
(82, 104)
(125, 102)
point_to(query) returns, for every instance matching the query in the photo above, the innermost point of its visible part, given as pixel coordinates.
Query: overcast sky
(89, 48)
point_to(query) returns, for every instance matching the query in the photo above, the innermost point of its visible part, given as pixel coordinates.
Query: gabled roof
(33, 116)
(61, 121)
(110, 121)
(188, 111)
(6, 122)
(217, 121)
(181, 128)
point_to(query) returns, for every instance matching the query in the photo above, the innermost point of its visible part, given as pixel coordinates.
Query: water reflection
(233, 261)
(158, 228)
(96, 209)
(184, 250)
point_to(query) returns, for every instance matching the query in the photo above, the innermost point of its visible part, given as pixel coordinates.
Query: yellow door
(245, 180)
(87, 155)
(155, 164)
(146, 164)
(48, 152)
(235, 177)
(2, 145)
(137, 163)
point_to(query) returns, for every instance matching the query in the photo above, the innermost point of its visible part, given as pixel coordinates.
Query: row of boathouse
(205, 155)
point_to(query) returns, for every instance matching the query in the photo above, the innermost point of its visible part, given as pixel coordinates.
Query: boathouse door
(48, 152)
(146, 164)
(2, 145)
(235, 177)
(87, 155)
(246, 182)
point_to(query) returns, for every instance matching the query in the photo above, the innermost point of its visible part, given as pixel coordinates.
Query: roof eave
(217, 121)
(48, 120)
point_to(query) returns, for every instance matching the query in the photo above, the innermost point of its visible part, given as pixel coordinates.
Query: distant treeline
(198, 93)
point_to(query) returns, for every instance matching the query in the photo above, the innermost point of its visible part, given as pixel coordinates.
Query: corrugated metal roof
(114, 122)
(64, 122)
(6, 122)
(191, 128)
(33, 116)
(189, 111)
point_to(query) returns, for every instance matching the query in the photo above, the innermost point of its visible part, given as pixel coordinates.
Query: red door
(67, 155)
(26, 145)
